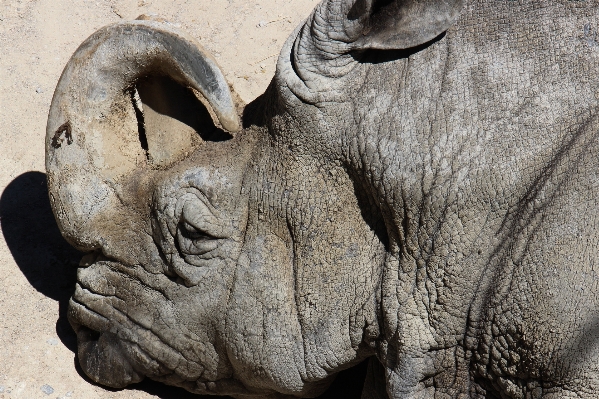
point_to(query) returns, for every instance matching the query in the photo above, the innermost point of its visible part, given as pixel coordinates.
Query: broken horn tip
(231, 124)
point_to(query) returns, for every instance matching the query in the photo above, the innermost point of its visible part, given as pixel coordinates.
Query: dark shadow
(371, 211)
(373, 56)
(168, 392)
(48, 262)
(263, 108)
(167, 97)
(348, 384)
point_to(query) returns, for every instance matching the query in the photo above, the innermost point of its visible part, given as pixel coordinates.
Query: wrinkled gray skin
(418, 185)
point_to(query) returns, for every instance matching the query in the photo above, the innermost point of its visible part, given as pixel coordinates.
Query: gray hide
(418, 186)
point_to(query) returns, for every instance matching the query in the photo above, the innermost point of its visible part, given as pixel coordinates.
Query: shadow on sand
(44, 257)
(49, 263)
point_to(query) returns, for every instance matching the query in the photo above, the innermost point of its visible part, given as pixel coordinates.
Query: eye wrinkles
(195, 242)
(196, 225)
(195, 230)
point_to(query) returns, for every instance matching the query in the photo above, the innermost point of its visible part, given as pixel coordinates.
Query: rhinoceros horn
(92, 139)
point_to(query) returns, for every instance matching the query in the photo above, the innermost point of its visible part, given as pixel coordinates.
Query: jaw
(96, 351)
(115, 349)
(131, 324)
(120, 344)
(106, 359)
(110, 360)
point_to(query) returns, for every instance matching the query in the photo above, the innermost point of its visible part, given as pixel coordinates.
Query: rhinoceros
(418, 186)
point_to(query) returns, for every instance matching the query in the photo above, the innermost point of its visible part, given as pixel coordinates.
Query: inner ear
(401, 24)
(172, 120)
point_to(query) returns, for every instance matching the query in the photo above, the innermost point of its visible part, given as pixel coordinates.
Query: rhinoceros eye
(195, 242)
(193, 233)
(199, 229)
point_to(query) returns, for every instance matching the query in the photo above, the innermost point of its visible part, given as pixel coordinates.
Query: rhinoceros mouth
(109, 358)
(111, 352)
(100, 352)
(108, 344)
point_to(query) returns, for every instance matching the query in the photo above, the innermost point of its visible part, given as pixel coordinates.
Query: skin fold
(417, 186)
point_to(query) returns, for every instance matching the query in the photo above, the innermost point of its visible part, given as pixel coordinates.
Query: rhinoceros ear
(338, 30)
(399, 24)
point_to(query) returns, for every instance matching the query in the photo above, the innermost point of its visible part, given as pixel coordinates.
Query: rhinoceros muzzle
(103, 345)
(101, 357)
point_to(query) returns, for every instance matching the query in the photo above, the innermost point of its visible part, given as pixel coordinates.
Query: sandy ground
(37, 267)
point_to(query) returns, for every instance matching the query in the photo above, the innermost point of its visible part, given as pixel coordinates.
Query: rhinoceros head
(224, 256)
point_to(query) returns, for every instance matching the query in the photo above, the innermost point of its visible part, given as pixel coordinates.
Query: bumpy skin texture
(433, 206)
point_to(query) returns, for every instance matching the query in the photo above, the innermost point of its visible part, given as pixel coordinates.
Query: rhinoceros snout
(101, 352)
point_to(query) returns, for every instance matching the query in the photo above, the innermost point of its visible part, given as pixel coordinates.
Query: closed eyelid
(195, 196)
(197, 214)
(199, 194)
(193, 247)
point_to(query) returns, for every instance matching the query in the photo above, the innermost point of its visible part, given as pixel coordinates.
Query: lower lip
(100, 356)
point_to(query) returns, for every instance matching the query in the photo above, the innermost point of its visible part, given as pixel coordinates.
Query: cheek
(263, 329)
